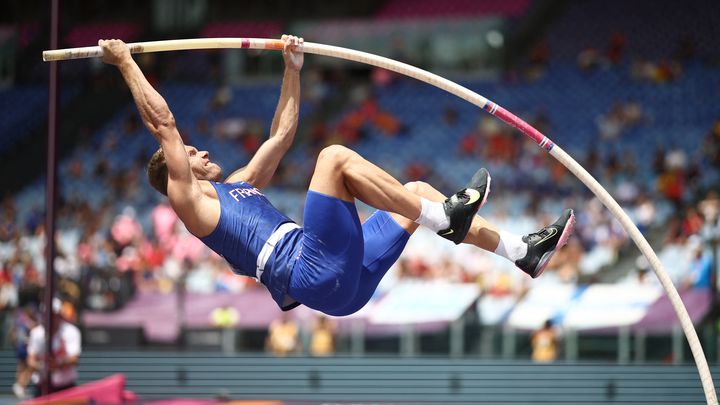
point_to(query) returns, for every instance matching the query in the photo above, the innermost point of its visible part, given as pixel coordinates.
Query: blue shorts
(341, 261)
(21, 352)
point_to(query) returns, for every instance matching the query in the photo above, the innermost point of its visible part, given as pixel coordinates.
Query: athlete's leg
(385, 238)
(531, 252)
(344, 174)
(386, 235)
(482, 234)
(325, 276)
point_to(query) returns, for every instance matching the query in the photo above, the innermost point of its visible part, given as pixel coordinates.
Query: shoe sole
(487, 192)
(482, 202)
(545, 259)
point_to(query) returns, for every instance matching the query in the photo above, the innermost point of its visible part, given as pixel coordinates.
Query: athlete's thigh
(332, 229)
(384, 241)
(328, 177)
(326, 274)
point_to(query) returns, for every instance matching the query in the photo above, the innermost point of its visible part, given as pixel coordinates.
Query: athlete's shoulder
(235, 182)
(209, 188)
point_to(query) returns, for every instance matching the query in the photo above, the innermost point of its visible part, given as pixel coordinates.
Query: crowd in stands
(152, 251)
(117, 238)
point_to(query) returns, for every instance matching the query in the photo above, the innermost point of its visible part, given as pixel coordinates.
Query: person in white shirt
(66, 347)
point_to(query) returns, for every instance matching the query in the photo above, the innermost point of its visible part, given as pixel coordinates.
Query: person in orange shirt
(283, 336)
(544, 343)
(322, 342)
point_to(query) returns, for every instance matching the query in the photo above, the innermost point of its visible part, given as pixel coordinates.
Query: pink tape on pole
(512, 120)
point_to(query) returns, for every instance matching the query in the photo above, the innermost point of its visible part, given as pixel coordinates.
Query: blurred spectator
(164, 222)
(7, 220)
(399, 52)
(8, 290)
(600, 234)
(222, 97)
(711, 145)
(68, 312)
(538, 62)
(671, 182)
(589, 59)
(283, 336)
(622, 115)
(25, 320)
(645, 213)
(322, 339)
(450, 116)
(187, 246)
(632, 113)
(315, 88)
(692, 223)
(566, 262)
(470, 143)
(700, 269)
(226, 318)
(369, 111)
(125, 229)
(616, 48)
(642, 275)
(66, 347)
(490, 140)
(544, 343)
(417, 171)
(230, 128)
(656, 72)
(709, 207)
(497, 145)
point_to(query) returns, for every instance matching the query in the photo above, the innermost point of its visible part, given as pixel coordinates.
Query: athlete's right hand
(115, 51)
(292, 52)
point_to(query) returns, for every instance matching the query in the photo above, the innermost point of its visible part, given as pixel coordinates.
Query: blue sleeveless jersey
(247, 219)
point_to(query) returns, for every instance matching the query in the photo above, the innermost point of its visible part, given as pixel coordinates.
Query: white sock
(511, 246)
(432, 215)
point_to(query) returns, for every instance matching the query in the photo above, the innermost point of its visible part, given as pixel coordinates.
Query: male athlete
(333, 263)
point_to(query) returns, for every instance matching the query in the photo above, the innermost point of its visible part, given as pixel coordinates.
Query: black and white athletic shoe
(462, 206)
(543, 244)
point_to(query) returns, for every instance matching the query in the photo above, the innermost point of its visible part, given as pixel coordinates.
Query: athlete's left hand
(115, 51)
(292, 52)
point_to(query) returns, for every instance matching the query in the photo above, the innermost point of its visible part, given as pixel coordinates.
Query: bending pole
(472, 97)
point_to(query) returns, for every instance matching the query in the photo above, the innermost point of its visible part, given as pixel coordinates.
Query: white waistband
(269, 246)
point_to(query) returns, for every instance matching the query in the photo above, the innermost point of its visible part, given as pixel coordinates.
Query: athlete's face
(201, 166)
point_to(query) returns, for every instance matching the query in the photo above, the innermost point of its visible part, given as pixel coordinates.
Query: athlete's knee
(418, 187)
(414, 186)
(425, 190)
(336, 157)
(335, 153)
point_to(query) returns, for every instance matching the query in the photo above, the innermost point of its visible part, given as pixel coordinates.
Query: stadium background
(629, 89)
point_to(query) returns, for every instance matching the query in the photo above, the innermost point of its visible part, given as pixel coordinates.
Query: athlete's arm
(184, 190)
(263, 165)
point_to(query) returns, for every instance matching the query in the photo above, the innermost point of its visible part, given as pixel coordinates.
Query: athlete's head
(200, 164)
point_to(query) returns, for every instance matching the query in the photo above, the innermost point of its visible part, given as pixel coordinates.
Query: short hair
(158, 172)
